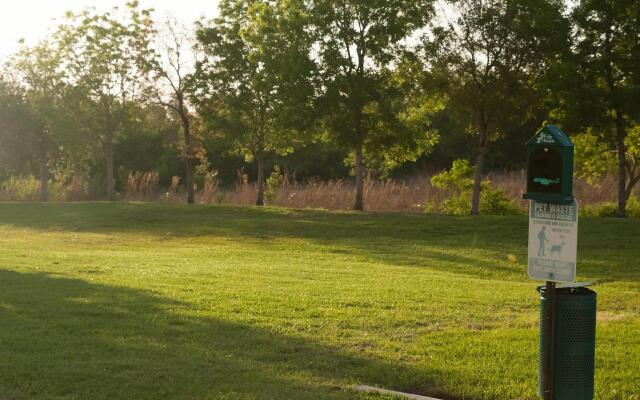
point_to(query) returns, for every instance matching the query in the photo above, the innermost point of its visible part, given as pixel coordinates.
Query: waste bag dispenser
(574, 342)
(550, 167)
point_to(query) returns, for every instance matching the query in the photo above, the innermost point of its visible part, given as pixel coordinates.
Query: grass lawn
(152, 301)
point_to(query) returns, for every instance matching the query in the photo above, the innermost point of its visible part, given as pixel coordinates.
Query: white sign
(553, 241)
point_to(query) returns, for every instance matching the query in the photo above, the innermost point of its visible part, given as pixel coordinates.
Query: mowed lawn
(153, 301)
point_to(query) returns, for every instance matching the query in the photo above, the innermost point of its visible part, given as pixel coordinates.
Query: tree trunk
(188, 162)
(44, 180)
(477, 178)
(622, 163)
(260, 160)
(108, 155)
(359, 205)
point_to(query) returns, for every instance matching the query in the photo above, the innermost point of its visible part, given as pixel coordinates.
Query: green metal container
(575, 343)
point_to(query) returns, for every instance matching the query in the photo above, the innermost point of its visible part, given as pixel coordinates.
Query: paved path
(371, 389)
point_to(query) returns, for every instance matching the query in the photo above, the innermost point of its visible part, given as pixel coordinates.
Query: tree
(170, 74)
(497, 52)
(254, 84)
(595, 157)
(38, 70)
(607, 81)
(105, 55)
(357, 41)
(19, 142)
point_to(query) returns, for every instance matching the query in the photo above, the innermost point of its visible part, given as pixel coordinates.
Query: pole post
(549, 334)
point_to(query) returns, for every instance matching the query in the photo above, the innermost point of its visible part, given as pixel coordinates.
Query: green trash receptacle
(574, 342)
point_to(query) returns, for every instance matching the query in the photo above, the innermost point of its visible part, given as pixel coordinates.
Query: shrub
(458, 182)
(19, 188)
(77, 189)
(458, 179)
(606, 209)
(495, 202)
(609, 209)
(273, 184)
(210, 192)
(633, 207)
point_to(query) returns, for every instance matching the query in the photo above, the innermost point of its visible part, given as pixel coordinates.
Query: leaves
(593, 159)
(497, 52)
(255, 84)
(363, 102)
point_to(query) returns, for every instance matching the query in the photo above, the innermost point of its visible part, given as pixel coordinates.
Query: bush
(77, 189)
(633, 207)
(19, 188)
(458, 179)
(273, 184)
(606, 209)
(492, 202)
(458, 182)
(495, 202)
(609, 209)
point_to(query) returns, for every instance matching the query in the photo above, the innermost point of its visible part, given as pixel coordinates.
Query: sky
(32, 19)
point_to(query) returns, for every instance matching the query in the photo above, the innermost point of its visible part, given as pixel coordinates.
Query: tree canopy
(322, 89)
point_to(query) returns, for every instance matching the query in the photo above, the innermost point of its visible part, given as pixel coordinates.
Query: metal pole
(549, 329)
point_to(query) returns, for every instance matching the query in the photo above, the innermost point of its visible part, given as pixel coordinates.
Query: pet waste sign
(553, 241)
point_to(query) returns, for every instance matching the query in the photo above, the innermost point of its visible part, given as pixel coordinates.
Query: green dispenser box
(550, 167)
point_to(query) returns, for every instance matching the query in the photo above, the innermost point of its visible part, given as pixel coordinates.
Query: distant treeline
(323, 89)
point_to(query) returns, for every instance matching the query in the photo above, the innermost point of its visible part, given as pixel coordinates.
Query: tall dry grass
(392, 195)
(142, 186)
(405, 195)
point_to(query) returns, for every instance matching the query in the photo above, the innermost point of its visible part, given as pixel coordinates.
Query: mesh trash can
(574, 342)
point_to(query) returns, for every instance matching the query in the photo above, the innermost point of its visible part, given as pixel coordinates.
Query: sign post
(553, 243)
(553, 230)
(548, 360)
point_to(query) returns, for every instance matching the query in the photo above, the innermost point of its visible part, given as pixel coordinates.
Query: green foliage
(303, 83)
(598, 84)
(273, 184)
(48, 103)
(458, 182)
(495, 202)
(458, 178)
(492, 202)
(106, 55)
(255, 85)
(20, 188)
(592, 158)
(494, 53)
(609, 209)
(595, 157)
(401, 127)
(27, 188)
(18, 155)
(362, 106)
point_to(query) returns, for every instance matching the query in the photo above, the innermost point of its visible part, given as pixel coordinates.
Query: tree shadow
(65, 338)
(438, 242)
(395, 239)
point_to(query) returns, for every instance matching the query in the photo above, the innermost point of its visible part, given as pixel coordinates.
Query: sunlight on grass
(241, 303)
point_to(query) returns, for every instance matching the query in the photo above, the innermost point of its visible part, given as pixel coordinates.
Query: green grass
(150, 301)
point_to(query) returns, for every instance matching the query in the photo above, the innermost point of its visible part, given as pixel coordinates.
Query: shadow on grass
(397, 239)
(69, 339)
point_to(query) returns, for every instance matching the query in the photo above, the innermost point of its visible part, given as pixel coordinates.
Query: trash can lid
(574, 285)
(571, 286)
